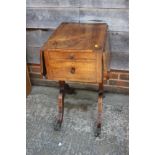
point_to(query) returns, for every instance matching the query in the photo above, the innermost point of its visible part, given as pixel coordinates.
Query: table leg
(100, 110)
(68, 89)
(59, 119)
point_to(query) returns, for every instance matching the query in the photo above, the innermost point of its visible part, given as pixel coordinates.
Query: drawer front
(72, 55)
(84, 71)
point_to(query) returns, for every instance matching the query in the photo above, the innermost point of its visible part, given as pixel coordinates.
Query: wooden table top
(78, 36)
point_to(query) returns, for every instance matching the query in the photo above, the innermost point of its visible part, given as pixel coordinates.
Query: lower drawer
(84, 71)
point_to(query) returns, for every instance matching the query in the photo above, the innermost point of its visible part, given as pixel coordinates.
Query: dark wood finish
(100, 110)
(59, 118)
(79, 53)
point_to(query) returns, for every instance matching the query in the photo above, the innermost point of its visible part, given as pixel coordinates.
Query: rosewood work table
(77, 52)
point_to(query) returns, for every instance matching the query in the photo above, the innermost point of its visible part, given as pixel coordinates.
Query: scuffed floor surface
(76, 136)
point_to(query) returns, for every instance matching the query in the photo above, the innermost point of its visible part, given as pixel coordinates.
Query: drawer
(84, 71)
(72, 55)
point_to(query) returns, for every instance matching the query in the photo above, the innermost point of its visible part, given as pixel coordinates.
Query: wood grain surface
(117, 19)
(71, 55)
(76, 52)
(75, 36)
(84, 71)
(79, 3)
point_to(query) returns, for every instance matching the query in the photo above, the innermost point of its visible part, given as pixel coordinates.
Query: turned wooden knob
(72, 70)
(71, 56)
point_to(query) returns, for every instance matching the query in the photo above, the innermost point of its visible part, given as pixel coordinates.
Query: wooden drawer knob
(71, 56)
(72, 70)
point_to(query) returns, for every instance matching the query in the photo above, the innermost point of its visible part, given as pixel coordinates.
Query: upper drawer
(72, 55)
